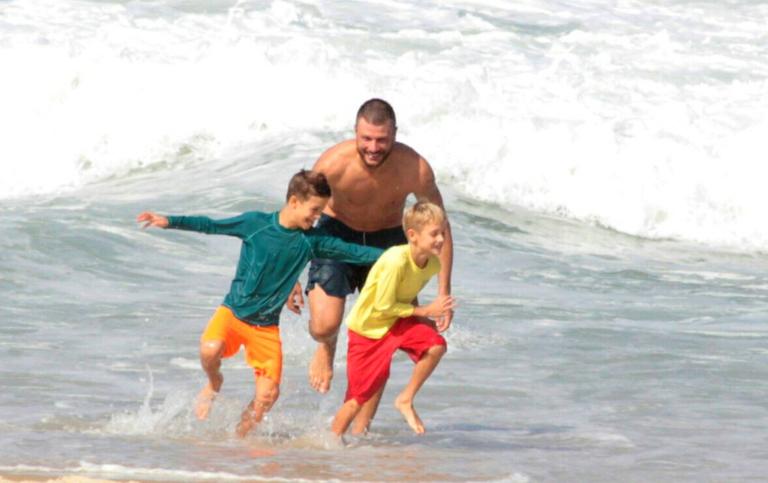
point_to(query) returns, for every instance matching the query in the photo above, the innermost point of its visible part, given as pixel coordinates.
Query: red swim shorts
(263, 348)
(368, 360)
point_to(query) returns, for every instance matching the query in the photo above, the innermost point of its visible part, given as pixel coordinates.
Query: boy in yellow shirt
(385, 319)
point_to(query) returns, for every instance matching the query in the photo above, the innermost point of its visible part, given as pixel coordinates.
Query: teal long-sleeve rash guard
(272, 258)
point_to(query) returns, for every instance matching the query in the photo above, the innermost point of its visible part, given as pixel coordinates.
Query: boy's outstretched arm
(326, 246)
(239, 226)
(149, 218)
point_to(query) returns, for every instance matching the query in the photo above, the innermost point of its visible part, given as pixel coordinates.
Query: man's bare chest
(377, 192)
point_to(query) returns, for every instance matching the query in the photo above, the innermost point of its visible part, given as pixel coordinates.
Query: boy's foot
(249, 419)
(245, 425)
(405, 406)
(204, 401)
(321, 369)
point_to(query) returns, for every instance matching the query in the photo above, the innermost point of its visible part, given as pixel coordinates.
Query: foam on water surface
(649, 120)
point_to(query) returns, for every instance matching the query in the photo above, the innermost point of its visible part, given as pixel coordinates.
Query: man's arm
(325, 164)
(427, 190)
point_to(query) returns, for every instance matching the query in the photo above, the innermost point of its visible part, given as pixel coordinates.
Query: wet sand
(59, 479)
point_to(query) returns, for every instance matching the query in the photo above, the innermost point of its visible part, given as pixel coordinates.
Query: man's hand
(152, 219)
(295, 300)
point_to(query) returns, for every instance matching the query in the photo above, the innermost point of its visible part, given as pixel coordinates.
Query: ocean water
(603, 168)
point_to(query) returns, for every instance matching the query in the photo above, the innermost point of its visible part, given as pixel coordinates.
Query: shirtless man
(370, 177)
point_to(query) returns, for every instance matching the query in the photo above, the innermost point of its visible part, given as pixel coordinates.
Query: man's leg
(267, 392)
(421, 371)
(210, 359)
(325, 314)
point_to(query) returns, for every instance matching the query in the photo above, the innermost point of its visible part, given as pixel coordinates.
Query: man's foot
(321, 368)
(205, 398)
(405, 406)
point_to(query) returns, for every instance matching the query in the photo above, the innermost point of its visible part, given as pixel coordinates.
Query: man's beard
(384, 157)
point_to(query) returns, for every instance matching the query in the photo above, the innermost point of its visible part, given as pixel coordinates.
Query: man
(370, 177)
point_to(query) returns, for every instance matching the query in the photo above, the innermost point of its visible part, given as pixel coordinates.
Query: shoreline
(57, 479)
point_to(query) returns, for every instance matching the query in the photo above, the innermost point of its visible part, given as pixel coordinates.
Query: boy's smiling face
(429, 239)
(304, 213)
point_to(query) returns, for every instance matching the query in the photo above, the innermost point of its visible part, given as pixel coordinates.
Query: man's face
(307, 211)
(374, 142)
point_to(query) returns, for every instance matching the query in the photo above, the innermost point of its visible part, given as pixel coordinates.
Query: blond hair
(421, 213)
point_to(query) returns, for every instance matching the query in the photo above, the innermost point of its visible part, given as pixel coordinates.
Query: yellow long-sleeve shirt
(389, 292)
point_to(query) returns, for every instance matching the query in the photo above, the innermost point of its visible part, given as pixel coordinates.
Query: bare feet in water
(405, 406)
(205, 398)
(321, 369)
(245, 425)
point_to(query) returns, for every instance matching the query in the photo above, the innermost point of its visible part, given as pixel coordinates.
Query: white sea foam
(651, 122)
(727, 334)
(145, 420)
(185, 363)
(607, 439)
(121, 471)
(461, 338)
(515, 478)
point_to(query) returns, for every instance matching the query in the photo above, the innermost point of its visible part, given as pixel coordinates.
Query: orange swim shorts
(263, 348)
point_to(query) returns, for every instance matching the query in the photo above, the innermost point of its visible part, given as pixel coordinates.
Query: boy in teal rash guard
(276, 247)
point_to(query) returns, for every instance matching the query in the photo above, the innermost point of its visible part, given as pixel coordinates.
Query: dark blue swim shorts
(340, 279)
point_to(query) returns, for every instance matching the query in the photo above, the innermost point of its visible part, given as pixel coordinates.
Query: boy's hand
(440, 306)
(444, 321)
(295, 300)
(152, 219)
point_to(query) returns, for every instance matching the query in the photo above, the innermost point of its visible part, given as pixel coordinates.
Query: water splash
(172, 416)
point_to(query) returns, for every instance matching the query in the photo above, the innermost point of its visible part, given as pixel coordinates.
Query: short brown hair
(377, 112)
(308, 183)
(421, 213)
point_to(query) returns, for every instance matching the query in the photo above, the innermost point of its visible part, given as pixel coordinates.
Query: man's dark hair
(308, 183)
(377, 112)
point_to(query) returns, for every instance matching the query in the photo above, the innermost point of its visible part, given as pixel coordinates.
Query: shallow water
(577, 354)
(610, 249)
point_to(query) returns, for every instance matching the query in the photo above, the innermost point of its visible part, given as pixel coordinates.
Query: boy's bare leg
(421, 371)
(362, 421)
(344, 417)
(267, 392)
(325, 314)
(210, 360)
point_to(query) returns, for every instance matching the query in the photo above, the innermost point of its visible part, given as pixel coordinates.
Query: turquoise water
(610, 249)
